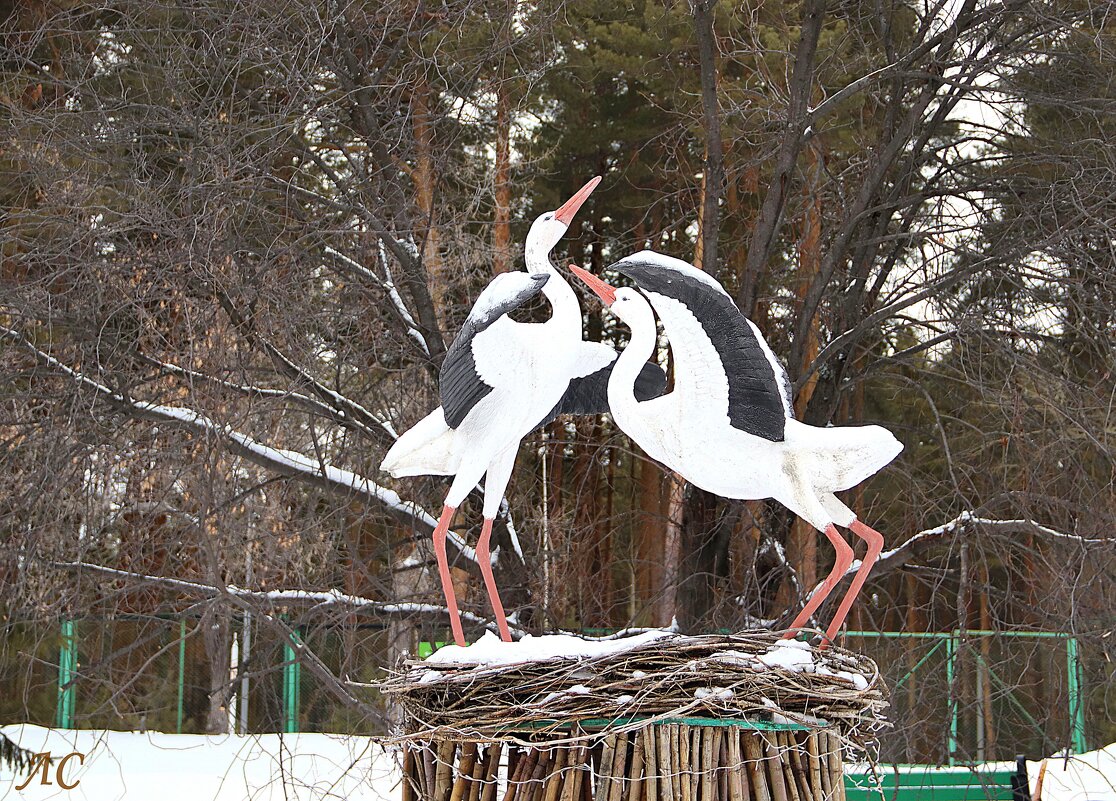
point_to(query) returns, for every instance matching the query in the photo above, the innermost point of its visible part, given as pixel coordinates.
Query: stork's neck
(563, 301)
(621, 385)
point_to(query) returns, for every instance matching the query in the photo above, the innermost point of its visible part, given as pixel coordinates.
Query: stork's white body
(500, 379)
(529, 367)
(802, 472)
(696, 430)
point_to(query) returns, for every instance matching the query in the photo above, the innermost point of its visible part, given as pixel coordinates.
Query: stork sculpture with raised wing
(728, 425)
(502, 379)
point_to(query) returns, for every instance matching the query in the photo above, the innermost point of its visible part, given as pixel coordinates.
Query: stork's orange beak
(567, 210)
(604, 290)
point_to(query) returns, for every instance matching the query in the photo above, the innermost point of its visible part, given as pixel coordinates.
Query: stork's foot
(816, 639)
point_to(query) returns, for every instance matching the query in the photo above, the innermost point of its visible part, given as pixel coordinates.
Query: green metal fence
(950, 643)
(292, 685)
(283, 697)
(67, 673)
(154, 672)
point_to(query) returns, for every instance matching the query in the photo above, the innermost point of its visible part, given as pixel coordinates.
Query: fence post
(67, 668)
(292, 670)
(1076, 702)
(951, 664)
(181, 674)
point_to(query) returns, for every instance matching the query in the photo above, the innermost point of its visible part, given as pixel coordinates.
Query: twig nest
(492, 688)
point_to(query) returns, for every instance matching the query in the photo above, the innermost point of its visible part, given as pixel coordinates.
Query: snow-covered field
(269, 767)
(1084, 777)
(188, 767)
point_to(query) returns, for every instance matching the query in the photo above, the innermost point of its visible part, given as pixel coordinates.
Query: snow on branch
(313, 598)
(330, 411)
(285, 462)
(343, 405)
(900, 555)
(388, 286)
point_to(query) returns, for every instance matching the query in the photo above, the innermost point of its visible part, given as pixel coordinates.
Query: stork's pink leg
(444, 571)
(840, 567)
(875, 545)
(485, 562)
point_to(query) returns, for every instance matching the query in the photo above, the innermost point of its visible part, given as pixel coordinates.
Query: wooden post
(784, 744)
(571, 783)
(753, 755)
(409, 788)
(651, 755)
(636, 785)
(619, 768)
(492, 771)
(694, 760)
(464, 770)
(659, 762)
(736, 769)
(667, 779)
(776, 769)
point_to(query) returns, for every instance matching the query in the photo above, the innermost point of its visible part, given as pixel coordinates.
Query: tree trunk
(215, 633)
(713, 175)
(651, 536)
(809, 262)
(587, 599)
(501, 232)
(802, 542)
(766, 229)
(706, 534)
(700, 548)
(425, 178)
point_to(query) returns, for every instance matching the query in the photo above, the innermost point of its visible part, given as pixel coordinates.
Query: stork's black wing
(459, 383)
(758, 389)
(589, 394)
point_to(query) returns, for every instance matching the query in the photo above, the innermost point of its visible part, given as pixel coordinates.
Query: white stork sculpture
(500, 380)
(728, 426)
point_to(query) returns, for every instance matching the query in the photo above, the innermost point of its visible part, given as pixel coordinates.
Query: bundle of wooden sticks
(674, 762)
(752, 675)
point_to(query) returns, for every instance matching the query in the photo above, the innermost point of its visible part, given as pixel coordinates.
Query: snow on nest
(491, 650)
(793, 656)
(542, 681)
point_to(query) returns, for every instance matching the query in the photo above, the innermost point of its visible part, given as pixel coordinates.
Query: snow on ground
(153, 766)
(1080, 777)
(269, 767)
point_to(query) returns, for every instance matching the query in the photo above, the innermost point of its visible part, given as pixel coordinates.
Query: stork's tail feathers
(426, 449)
(845, 455)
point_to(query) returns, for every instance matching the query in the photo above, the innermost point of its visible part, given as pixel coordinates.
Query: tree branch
(273, 598)
(916, 544)
(383, 430)
(284, 462)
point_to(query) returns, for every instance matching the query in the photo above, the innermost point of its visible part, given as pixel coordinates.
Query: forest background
(236, 237)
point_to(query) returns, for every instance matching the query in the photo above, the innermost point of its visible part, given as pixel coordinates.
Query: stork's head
(625, 302)
(550, 227)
